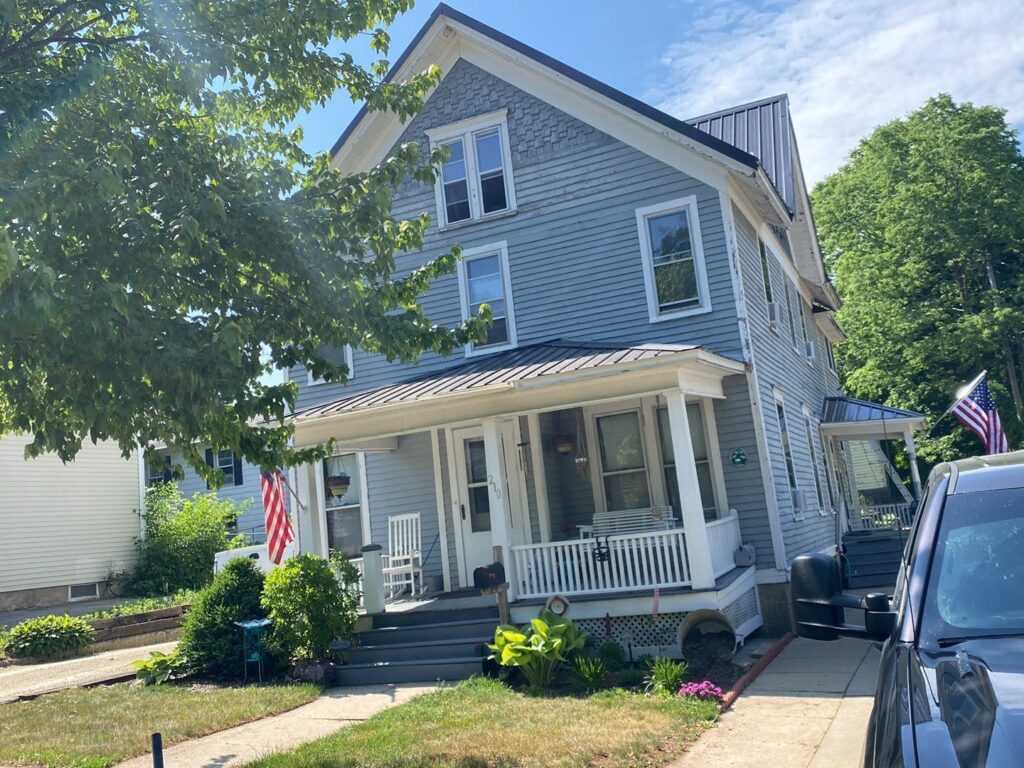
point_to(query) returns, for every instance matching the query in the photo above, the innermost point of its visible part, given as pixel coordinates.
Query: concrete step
(458, 668)
(433, 616)
(446, 630)
(421, 651)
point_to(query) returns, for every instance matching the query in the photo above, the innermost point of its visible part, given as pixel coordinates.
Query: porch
(593, 470)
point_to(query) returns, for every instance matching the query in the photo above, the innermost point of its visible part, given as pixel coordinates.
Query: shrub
(181, 537)
(665, 676)
(591, 672)
(143, 604)
(539, 649)
(612, 654)
(210, 642)
(161, 667)
(705, 689)
(49, 637)
(309, 607)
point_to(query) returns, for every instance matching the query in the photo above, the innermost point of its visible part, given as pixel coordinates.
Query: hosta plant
(49, 637)
(161, 667)
(538, 649)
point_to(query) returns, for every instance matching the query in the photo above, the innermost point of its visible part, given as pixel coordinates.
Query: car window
(976, 581)
(907, 561)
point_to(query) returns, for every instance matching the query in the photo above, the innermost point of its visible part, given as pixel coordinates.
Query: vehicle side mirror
(819, 604)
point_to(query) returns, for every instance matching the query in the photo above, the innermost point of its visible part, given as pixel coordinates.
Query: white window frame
(465, 130)
(152, 478)
(830, 353)
(689, 204)
(94, 595)
(655, 491)
(811, 428)
(499, 249)
(788, 461)
(364, 501)
(312, 381)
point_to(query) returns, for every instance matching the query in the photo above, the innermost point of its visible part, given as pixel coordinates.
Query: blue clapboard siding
(780, 365)
(401, 482)
(573, 246)
(248, 493)
(743, 484)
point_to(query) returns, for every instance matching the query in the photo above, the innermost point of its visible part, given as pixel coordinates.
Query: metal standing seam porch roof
(501, 369)
(850, 410)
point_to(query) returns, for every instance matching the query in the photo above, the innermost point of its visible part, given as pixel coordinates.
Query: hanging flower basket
(338, 485)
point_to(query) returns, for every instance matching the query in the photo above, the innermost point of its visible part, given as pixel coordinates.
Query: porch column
(497, 494)
(305, 509)
(698, 547)
(915, 475)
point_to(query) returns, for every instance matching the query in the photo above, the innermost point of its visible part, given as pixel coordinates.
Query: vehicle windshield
(976, 584)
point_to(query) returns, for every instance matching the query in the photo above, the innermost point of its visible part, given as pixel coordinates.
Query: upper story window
(787, 451)
(476, 179)
(344, 355)
(228, 462)
(766, 273)
(484, 279)
(815, 467)
(829, 354)
(673, 259)
(791, 312)
(159, 471)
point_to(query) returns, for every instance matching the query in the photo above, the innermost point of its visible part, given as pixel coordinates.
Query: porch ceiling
(534, 377)
(851, 418)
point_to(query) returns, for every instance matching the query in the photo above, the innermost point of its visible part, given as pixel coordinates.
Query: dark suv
(951, 681)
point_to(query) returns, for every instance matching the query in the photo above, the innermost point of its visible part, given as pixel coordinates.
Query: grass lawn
(95, 727)
(483, 724)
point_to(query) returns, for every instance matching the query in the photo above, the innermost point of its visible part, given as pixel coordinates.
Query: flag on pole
(279, 528)
(976, 410)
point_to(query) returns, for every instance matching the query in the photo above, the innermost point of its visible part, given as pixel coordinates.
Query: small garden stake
(158, 750)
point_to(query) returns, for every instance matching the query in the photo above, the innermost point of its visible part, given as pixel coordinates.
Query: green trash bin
(254, 633)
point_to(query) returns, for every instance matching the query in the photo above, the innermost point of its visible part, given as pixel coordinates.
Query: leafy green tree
(924, 231)
(165, 240)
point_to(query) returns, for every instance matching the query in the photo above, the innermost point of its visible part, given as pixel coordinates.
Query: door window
(476, 487)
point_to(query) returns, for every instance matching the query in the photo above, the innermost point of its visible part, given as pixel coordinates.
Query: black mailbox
(489, 577)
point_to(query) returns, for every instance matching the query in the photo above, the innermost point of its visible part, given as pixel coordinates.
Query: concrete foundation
(45, 597)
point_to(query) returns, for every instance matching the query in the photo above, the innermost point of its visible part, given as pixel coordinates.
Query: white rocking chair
(403, 568)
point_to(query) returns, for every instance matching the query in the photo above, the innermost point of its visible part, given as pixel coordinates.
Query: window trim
(830, 354)
(364, 501)
(591, 417)
(237, 477)
(782, 417)
(689, 204)
(465, 130)
(500, 249)
(311, 381)
(766, 272)
(165, 474)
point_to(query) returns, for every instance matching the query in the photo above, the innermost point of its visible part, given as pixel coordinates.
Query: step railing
(623, 563)
(882, 517)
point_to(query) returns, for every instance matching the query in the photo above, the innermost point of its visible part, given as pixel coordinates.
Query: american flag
(279, 528)
(977, 411)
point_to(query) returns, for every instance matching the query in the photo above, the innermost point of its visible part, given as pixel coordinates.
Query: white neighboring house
(64, 528)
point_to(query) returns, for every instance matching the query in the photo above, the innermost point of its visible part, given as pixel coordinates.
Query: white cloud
(847, 67)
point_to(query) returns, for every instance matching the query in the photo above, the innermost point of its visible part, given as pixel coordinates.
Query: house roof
(498, 371)
(850, 410)
(761, 128)
(673, 123)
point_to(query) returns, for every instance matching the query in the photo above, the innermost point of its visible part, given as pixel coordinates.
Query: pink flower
(702, 690)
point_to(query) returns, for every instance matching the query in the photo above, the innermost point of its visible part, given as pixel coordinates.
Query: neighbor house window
(476, 178)
(803, 319)
(790, 311)
(699, 440)
(673, 259)
(228, 462)
(623, 465)
(343, 504)
(344, 356)
(815, 468)
(787, 451)
(766, 273)
(158, 471)
(484, 279)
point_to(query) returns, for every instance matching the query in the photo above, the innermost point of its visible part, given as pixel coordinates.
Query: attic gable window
(476, 179)
(673, 259)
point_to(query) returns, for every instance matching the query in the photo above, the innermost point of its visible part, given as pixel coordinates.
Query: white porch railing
(634, 561)
(724, 540)
(883, 516)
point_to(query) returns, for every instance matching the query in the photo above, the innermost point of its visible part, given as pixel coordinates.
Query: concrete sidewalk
(33, 679)
(808, 709)
(336, 708)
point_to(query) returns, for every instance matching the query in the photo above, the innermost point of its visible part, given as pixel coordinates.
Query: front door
(474, 503)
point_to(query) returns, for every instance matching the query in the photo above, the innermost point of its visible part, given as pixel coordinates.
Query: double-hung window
(227, 462)
(476, 178)
(623, 464)
(343, 356)
(673, 259)
(344, 498)
(159, 470)
(787, 450)
(815, 468)
(766, 272)
(484, 279)
(830, 354)
(701, 456)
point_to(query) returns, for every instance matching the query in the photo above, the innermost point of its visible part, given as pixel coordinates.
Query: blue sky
(848, 67)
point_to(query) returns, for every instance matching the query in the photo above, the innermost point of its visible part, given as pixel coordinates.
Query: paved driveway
(808, 709)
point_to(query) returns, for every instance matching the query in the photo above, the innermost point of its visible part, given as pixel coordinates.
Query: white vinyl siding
(64, 524)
